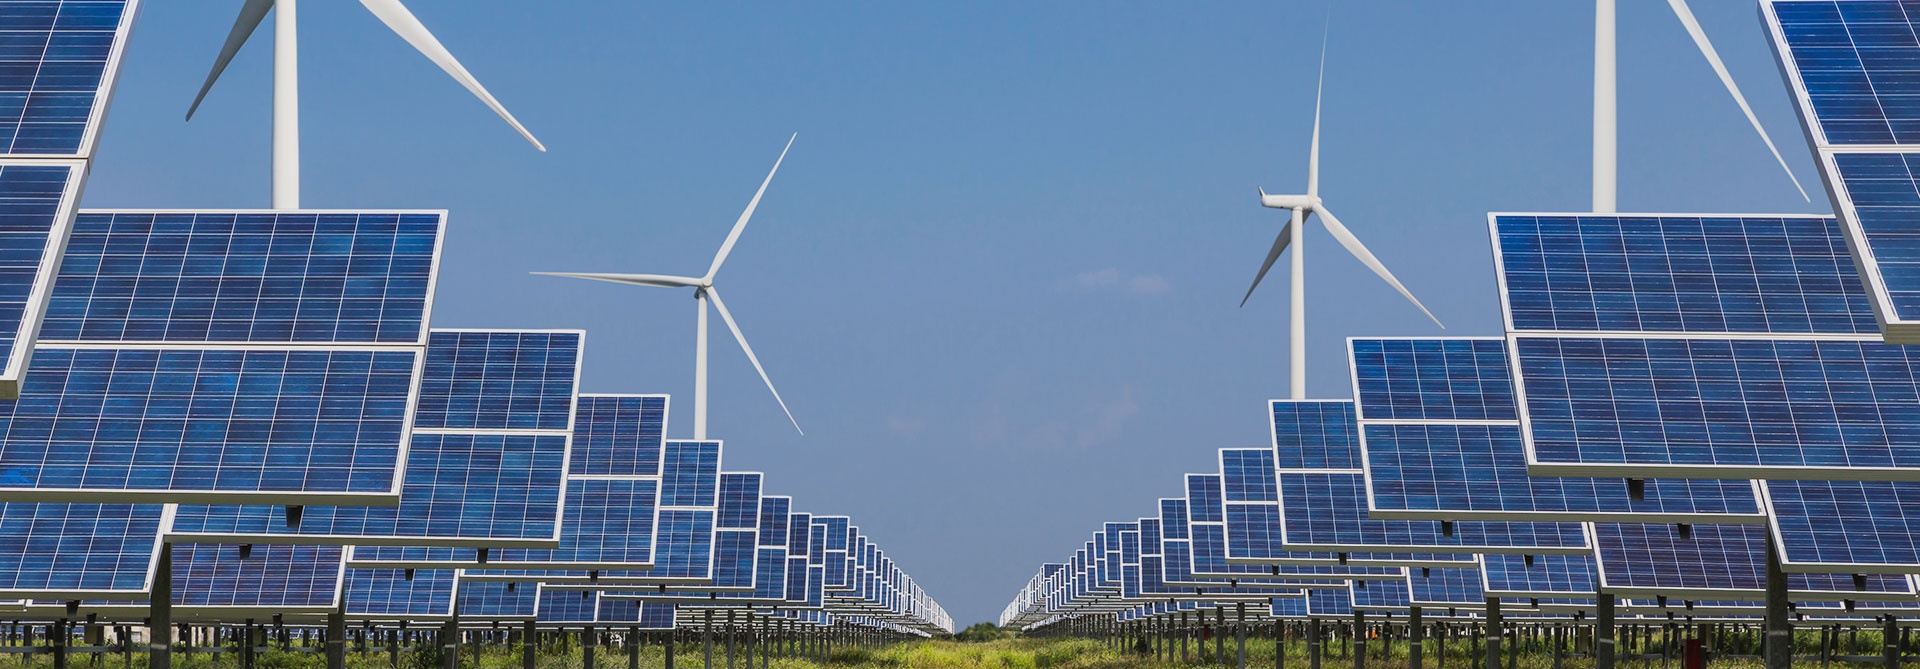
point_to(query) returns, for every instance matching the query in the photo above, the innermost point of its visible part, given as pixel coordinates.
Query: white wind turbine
(286, 78)
(703, 290)
(1606, 113)
(1303, 206)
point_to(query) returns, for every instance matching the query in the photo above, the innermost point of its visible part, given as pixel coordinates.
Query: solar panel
(79, 551)
(60, 63)
(397, 594)
(1288, 607)
(273, 579)
(1327, 511)
(619, 435)
(37, 204)
(561, 607)
(1747, 361)
(1848, 527)
(1380, 595)
(1542, 576)
(1846, 63)
(1445, 588)
(1315, 434)
(482, 599)
(1442, 440)
(1714, 562)
(499, 380)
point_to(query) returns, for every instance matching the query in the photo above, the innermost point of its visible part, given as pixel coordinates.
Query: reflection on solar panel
(1547, 576)
(1846, 63)
(1759, 375)
(1846, 526)
(273, 579)
(390, 594)
(1442, 441)
(483, 599)
(1716, 562)
(79, 551)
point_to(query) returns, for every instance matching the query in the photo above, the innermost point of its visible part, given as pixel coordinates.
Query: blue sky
(997, 278)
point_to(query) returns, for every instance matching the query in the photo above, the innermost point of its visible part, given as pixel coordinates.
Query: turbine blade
(251, 14)
(1319, 88)
(1360, 251)
(737, 336)
(659, 280)
(741, 225)
(1699, 34)
(1279, 246)
(403, 23)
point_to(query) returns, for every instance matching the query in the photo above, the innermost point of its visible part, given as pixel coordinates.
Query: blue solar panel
(493, 380)
(266, 425)
(272, 577)
(1446, 587)
(1328, 511)
(1248, 475)
(1315, 434)
(57, 66)
(733, 558)
(1726, 408)
(684, 539)
(492, 490)
(1380, 595)
(1691, 274)
(619, 435)
(1204, 499)
(739, 500)
(567, 606)
(1714, 562)
(1548, 575)
(73, 551)
(634, 614)
(775, 514)
(36, 212)
(1453, 380)
(606, 524)
(692, 471)
(1439, 471)
(384, 593)
(483, 599)
(1288, 607)
(1846, 526)
(265, 277)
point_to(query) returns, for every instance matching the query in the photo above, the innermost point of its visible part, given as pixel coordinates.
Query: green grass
(1003, 653)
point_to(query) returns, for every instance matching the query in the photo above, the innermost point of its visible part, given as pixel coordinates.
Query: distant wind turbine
(286, 78)
(703, 290)
(1303, 206)
(1606, 112)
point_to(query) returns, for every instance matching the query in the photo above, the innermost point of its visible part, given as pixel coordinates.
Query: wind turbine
(1606, 112)
(1303, 206)
(703, 290)
(286, 78)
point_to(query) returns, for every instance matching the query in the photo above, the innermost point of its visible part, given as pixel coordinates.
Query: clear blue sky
(997, 277)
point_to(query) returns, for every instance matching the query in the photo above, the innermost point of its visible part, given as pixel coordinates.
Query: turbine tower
(286, 78)
(1606, 113)
(703, 291)
(1303, 206)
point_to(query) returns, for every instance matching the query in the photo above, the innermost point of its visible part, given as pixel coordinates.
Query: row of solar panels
(1674, 395)
(253, 404)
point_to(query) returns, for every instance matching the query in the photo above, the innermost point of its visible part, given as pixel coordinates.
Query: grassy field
(935, 654)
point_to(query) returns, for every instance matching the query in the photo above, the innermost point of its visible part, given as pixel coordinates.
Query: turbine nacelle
(1305, 202)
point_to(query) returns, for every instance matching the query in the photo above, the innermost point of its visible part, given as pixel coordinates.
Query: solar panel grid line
(275, 579)
(81, 565)
(1548, 576)
(63, 107)
(548, 421)
(1437, 394)
(1872, 191)
(1716, 563)
(393, 595)
(1313, 434)
(1329, 514)
(1844, 527)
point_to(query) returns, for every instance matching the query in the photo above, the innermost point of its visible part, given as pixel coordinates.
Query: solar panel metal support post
(1314, 634)
(528, 639)
(730, 633)
(1359, 638)
(1603, 631)
(1779, 632)
(160, 612)
(1240, 632)
(1415, 636)
(706, 633)
(1220, 635)
(586, 646)
(1890, 642)
(337, 636)
(1494, 633)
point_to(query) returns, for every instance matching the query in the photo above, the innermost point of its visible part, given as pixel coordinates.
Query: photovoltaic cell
(259, 278)
(1548, 576)
(567, 606)
(775, 514)
(1715, 562)
(36, 212)
(494, 380)
(56, 68)
(1446, 588)
(487, 490)
(691, 474)
(1328, 511)
(1380, 595)
(384, 593)
(1846, 526)
(257, 424)
(619, 435)
(1679, 274)
(1450, 380)
(484, 599)
(1315, 434)
(1248, 475)
(274, 578)
(739, 500)
(78, 551)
